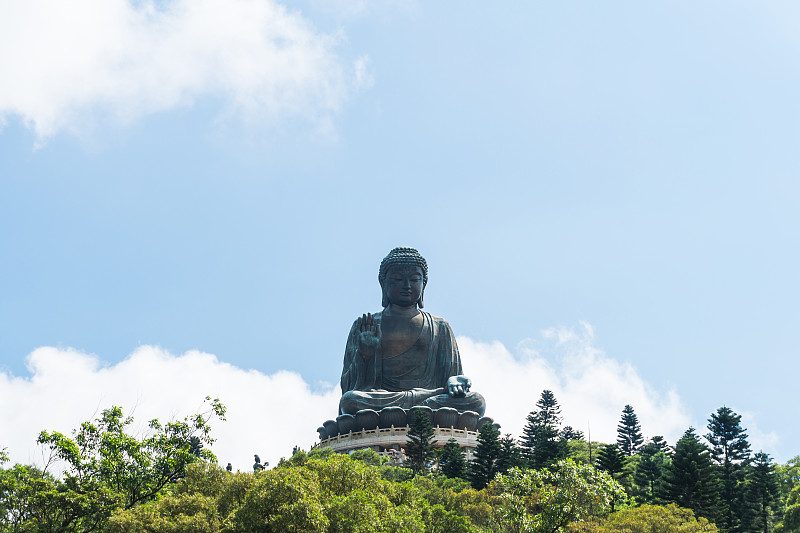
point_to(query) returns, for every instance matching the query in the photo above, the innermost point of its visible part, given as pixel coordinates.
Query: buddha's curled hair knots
(403, 256)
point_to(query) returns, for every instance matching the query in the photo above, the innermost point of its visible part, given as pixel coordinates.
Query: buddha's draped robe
(417, 376)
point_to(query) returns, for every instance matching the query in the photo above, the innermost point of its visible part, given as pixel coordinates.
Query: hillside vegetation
(549, 480)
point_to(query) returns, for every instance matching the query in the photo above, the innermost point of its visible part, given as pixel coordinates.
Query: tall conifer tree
(650, 470)
(690, 479)
(542, 444)
(659, 442)
(763, 494)
(510, 455)
(454, 464)
(570, 433)
(420, 447)
(629, 432)
(731, 452)
(611, 459)
(484, 465)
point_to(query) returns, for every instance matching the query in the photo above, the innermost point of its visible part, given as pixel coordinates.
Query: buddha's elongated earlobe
(385, 298)
(419, 302)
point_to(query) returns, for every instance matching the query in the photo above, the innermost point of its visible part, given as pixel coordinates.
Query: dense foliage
(105, 469)
(323, 492)
(103, 478)
(647, 519)
(547, 500)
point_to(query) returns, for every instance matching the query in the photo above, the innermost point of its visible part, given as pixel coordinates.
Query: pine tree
(195, 446)
(629, 432)
(731, 452)
(690, 479)
(662, 445)
(611, 459)
(763, 494)
(510, 455)
(569, 433)
(452, 460)
(484, 465)
(420, 447)
(541, 442)
(650, 470)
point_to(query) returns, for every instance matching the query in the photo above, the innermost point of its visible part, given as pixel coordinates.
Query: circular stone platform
(392, 441)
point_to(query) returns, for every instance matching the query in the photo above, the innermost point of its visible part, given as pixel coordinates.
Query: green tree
(316, 492)
(731, 452)
(106, 469)
(791, 513)
(649, 471)
(367, 456)
(545, 501)
(611, 459)
(762, 493)
(542, 443)
(788, 475)
(282, 499)
(356, 500)
(510, 455)
(455, 496)
(484, 464)
(582, 451)
(195, 446)
(452, 461)
(420, 447)
(647, 519)
(181, 513)
(690, 479)
(629, 432)
(33, 500)
(569, 433)
(662, 445)
(101, 453)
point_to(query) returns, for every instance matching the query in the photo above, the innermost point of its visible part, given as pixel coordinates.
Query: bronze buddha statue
(403, 356)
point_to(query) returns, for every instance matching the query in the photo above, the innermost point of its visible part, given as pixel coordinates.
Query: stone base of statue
(386, 431)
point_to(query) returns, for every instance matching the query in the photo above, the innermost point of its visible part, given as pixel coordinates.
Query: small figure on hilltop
(229, 468)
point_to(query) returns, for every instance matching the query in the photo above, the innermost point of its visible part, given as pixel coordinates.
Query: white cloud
(269, 414)
(353, 9)
(590, 387)
(61, 62)
(364, 78)
(759, 440)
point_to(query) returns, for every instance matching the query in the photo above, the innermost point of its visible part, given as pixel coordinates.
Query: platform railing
(394, 431)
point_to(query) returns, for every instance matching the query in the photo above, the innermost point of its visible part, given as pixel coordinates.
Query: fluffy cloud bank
(590, 387)
(62, 61)
(67, 387)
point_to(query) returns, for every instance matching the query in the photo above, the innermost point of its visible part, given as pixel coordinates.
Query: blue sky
(225, 177)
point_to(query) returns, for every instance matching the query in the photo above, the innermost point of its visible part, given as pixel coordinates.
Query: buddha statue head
(403, 275)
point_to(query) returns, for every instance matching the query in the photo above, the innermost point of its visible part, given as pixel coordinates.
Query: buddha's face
(403, 285)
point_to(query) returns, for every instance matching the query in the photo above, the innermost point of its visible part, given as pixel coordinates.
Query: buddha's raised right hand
(369, 335)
